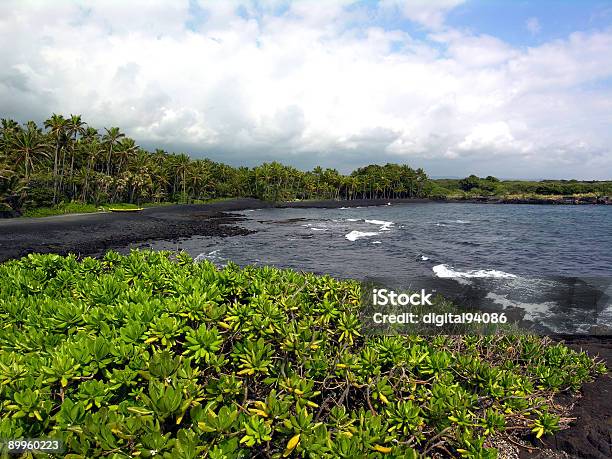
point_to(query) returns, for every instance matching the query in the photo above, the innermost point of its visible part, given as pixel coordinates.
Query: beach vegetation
(151, 354)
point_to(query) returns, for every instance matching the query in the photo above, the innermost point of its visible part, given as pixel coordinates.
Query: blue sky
(517, 89)
(507, 19)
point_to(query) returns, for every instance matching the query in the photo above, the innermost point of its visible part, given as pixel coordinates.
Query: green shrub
(153, 355)
(60, 209)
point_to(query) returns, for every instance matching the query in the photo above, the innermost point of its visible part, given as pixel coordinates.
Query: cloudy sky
(517, 89)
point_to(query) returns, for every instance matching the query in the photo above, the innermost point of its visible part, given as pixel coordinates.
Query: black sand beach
(89, 234)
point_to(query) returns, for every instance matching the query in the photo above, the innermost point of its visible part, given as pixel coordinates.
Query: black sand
(87, 234)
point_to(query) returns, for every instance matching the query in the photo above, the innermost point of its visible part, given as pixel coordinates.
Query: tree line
(492, 186)
(68, 160)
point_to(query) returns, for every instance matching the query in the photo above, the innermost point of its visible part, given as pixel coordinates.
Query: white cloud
(492, 138)
(428, 13)
(533, 26)
(305, 86)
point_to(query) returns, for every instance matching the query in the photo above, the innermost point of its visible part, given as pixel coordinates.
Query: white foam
(424, 258)
(344, 208)
(463, 222)
(378, 222)
(208, 256)
(445, 271)
(376, 242)
(533, 311)
(352, 219)
(318, 229)
(354, 235)
(384, 226)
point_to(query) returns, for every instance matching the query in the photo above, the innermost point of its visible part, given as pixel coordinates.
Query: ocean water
(553, 262)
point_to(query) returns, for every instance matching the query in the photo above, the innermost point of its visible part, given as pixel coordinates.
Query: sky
(515, 89)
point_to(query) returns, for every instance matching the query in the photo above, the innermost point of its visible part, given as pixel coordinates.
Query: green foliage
(60, 209)
(474, 186)
(71, 167)
(154, 355)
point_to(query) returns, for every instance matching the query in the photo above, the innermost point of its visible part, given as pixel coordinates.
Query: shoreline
(90, 233)
(327, 204)
(336, 203)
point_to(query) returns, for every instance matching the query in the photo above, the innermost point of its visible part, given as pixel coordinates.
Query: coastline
(552, 201)
(337, 203)
(90, 233)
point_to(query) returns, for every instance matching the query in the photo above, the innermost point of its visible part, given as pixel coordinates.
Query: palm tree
(92, 151)
(200, 177)
(75, 126)
(111, 137)
(28, 146)
(57, 128)
(8, 128)
(5, 171)
(181, 167)
(126, 148)
(141, 180)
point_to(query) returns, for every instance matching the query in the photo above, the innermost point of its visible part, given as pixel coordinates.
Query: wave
(451, 222)
(209, 256)
(533, 311)
(445, 271)
(318, 229)
(376, 242)
(384, 225)
(379, 222)
(354, 235)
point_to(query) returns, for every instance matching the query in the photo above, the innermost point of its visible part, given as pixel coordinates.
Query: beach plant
(151, 354)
